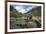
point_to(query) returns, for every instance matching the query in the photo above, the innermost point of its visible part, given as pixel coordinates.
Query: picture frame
(7, 3)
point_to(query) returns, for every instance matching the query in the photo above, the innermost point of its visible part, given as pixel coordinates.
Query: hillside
(14, 12)
(36, 11)
(19, 20)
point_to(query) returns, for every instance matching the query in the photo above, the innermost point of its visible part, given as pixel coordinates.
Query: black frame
(24, 2)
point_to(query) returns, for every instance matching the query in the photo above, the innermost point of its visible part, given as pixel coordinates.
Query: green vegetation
(24, 26)
(15, 12)
(36, 12)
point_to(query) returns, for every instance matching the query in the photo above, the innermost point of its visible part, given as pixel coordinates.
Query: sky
(23, 8)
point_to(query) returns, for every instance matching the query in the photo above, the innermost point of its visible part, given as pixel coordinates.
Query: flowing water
(22, 23)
